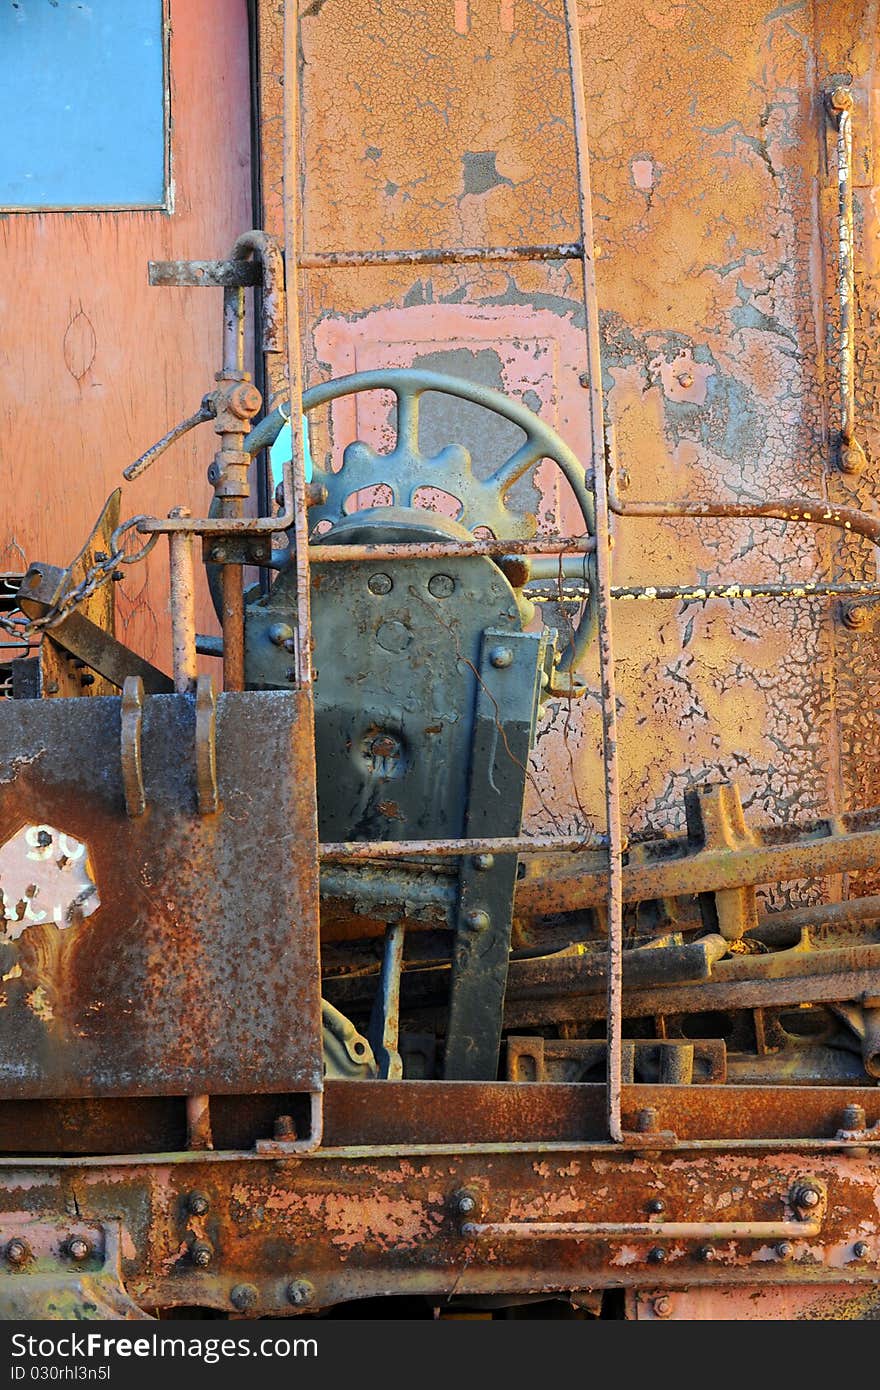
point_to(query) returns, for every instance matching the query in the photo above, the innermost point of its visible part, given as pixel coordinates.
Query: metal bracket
(130, 746)
(506, 704)
(715, 819)
(58, 1268)
(384, 1029)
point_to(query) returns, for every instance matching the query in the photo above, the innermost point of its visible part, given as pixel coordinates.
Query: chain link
(18, 625)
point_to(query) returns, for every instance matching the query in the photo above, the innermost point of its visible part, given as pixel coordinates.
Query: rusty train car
(439, 854)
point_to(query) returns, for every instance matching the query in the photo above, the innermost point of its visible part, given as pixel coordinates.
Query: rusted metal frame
(384, 1030)
(645, 1230)
(801, 510)
(698, 593)
(182, 583)
(704, 871)
(359, 850)
(850, 454)
(451, 255)
(438, 550)
(130, 726)
(603, 575)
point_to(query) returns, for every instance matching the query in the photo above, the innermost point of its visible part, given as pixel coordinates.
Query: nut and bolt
(477, 920)
(854, 1117)
(707, 1253)
(17, 1251)
(646, 1120)
(656, 1255)
(243, 1297)
(299, 1291)
(465, 1203)
(840, 99)
(197, 1203)
(78, 1248)
(441, 585)
(482, 862)
(284, 1128)
(686, 380)
(202, 1254)
(656, 1205)
(662, 1306)
(856, 616)
(805, 1196)
(860, 1249)
(501, 658)
(380, 584)
(384, 746)
(280, 634)
(784, 1249)
(218, 553)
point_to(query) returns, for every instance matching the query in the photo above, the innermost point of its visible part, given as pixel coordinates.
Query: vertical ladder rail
(603, 581)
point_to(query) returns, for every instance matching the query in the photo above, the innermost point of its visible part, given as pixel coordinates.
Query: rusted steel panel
(194, 969)
(336, 1226)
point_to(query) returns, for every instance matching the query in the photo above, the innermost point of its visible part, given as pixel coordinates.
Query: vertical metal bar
(233, 575)
(183, 607)
(303, 655)
(851, 456)
(603, 578)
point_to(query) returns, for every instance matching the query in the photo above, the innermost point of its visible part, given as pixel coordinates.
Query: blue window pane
(82, 104)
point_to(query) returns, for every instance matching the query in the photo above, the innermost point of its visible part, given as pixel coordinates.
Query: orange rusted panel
(714, 203)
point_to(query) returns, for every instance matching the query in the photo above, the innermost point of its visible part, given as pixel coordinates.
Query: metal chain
(96, 576)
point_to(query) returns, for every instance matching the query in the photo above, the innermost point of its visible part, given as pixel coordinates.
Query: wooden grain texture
(94, 364)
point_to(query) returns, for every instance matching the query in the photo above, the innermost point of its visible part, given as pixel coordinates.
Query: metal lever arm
(206, 411)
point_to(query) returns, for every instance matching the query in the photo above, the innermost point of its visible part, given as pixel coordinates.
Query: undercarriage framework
(294, 1011)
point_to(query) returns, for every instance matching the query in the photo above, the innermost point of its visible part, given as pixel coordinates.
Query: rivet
(218, 553)
(202, 1254)
(860, 1249)
(657, 1255)
(279, 633)
(686, 380)
(656, 1205)
(784, 1249)
(380, 584)
(465, 1203)
(299, 1291)
(441, 585)
(501, 657)
(707, 1253)
(17, 1251)
(483, 862)
(197, 1203)
(477, 920)
(243, 1296)
(78, 1248)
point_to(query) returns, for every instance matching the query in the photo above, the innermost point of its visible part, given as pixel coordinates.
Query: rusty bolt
(202, 1254)
(465, 1203)
(707, 1253)
(299, 1291)
(854, 1117)
(656, 1205)
(501, 658)
(441, 585)
(78, 1248)
(380, 583)
(662, 1306)
(279, 634)
(384, 746)
(840, 98)
(855, 616)
(284, 1127)
(17, 1251)
(244, 401)
(646, 1120)
(87, 678)
(243, 1297)
(685, 379)
(197, 1203)
(478, 920)
(584, 380)
(784, 1249)
(218, 553)
(804, 1196)
(482, 862)
(657, 1255)
(860, 1249)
